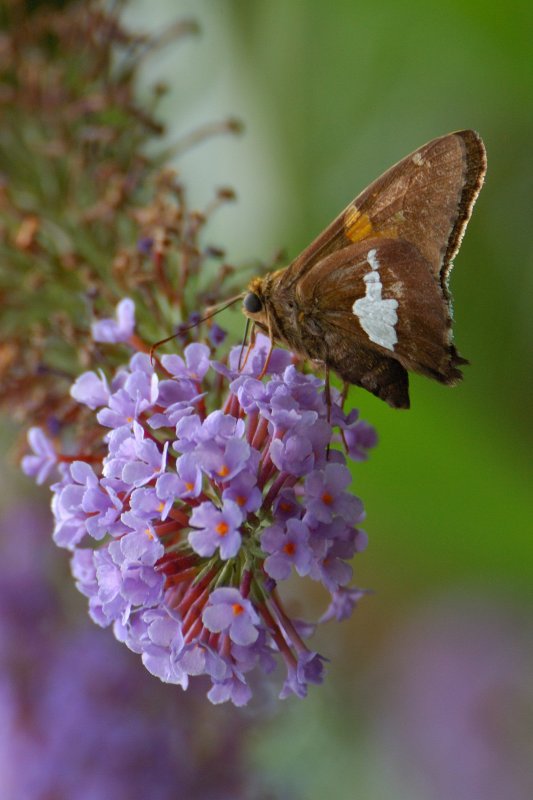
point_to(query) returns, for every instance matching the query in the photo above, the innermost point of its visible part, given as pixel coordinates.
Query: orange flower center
(222, 528)
(189, 486)
(285, 506)
(327, 498)
(237, 609)
(289, 548)
(240, 500)
(223, 471)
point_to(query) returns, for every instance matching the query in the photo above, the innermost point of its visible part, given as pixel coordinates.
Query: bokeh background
(429, 693)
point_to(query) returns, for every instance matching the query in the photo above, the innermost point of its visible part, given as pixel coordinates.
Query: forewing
(425, 199)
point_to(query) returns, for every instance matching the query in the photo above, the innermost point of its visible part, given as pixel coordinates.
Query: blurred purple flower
(80, 718)
(90, 389)
(457, 708)
(116, 330)
(44, 458)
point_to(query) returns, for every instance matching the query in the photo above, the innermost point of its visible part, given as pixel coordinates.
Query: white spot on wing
(378, 317)
(417, 159)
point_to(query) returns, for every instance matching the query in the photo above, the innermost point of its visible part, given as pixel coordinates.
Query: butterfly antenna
(185, 328)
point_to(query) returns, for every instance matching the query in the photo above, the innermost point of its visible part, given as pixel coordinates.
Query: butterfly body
(369, 297)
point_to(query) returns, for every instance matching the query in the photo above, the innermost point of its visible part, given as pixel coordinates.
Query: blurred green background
(331, 95)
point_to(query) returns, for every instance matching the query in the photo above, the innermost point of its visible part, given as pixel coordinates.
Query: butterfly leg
(327, 392)
(344, 393)
(243, 345)
(267, 361)
(249, 349)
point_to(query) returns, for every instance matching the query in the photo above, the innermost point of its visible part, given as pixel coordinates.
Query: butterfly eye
(252, 303)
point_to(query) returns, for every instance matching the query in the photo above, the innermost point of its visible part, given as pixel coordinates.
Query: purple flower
(68, 504)
(91, 390)
(145, 245)
(83, 570)
(256, 358)
(199, 659)
(343, 602)
(234, 689)
(119, 329)
(302, 449)
(145, 504)
(224, 463)
(216, 335)
(286, 506)
(294, 455)
(324, 493)
(195, 365)
(309, 668)
(178, 399)
(219, 529)
(103, 507)
(148, 461)
(109, 595)
(135, 554)
(133, 393)
(186, 482)
(333, 570)
(288, 547)
(360, 438)
(39, 465)
(228, 611)
(243, 490)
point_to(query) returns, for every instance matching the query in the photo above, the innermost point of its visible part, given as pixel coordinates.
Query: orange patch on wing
(357, 226)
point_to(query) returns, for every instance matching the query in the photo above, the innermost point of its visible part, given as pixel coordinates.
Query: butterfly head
(254, 304)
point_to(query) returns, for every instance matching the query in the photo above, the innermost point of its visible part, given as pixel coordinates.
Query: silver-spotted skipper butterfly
(369, 297)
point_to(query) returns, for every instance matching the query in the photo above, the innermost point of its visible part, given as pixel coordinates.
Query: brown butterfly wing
(374, 310)
(369, 296)
(426, 199)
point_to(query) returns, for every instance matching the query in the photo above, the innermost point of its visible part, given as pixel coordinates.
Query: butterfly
(369, 297)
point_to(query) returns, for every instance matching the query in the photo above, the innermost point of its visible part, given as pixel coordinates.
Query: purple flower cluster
(182, 527)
